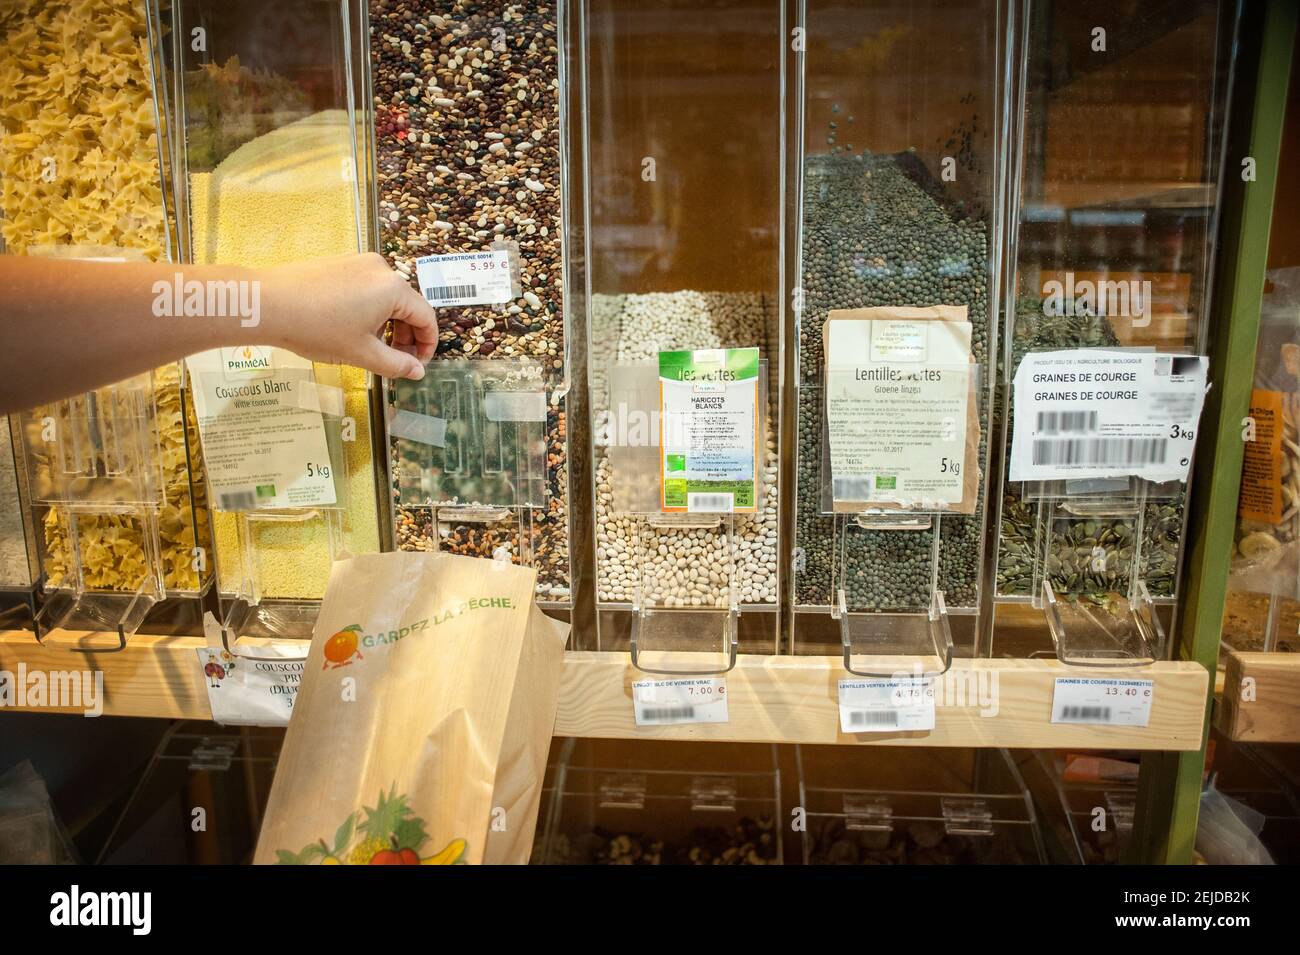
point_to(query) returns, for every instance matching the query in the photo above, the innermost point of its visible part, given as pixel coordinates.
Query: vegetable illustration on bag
(388, 834)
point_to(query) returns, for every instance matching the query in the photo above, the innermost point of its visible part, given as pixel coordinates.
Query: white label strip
(465, 278)
(421, 428)
(692, 700)
(885, 706)
(244, 692)
(1099, 412)
(515, 405)
(1102, 702)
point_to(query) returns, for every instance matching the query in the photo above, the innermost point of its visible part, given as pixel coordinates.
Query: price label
(1102, 702)
(465, 278)
(882, 706)
(695, 700)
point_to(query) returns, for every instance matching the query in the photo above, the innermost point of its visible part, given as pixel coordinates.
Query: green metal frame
(1170, 787)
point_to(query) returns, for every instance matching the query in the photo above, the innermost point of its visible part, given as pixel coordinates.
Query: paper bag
(421, 728)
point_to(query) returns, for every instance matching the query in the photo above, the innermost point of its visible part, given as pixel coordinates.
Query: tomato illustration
(342, 647)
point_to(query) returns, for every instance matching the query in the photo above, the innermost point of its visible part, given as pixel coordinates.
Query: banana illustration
(449, 856)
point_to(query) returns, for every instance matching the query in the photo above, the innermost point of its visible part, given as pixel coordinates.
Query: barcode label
(1102, 701)
(1102, 452)
(244, 500)
(711, 503)
(887, 718)
(1106, 413)
(852, 488)
(665, 714)
(881, 705)
(466, 278)
(1085, 714)
(686, 700)
(449, 293)
(1067, 422)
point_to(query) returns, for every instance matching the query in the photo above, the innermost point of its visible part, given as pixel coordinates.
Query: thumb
(390, 362)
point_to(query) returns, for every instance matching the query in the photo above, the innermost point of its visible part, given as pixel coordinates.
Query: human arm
(70, 326)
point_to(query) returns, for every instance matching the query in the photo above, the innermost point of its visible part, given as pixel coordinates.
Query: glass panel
(1263, 601)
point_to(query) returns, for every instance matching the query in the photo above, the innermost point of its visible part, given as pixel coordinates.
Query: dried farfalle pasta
(79, 168)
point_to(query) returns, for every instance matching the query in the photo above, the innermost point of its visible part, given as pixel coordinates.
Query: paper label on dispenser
(709, 430)
(465, 278)
(248, 692)
(898, 400)
(1106, 412)
(264, 442)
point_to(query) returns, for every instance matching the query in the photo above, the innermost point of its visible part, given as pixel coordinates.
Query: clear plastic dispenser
(271, 104)
(113, 529)
(1090, 583)
(94, 470)
(472, 185)
(469, 455)
(654, 803)
(19, 568)
(1111, 246)
(683, 120)
(898, 182)
(918, 807)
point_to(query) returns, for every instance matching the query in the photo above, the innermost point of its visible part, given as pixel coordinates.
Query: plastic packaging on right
(1262, 611)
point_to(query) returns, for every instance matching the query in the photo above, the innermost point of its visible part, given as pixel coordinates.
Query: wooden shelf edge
(780, 699)
(1261, 698)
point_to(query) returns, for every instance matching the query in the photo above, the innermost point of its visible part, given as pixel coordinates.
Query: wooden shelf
(1260, 702)
(771, 698)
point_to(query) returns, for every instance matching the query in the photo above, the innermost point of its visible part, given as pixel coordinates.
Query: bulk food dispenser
(470, 149)
(899, 186)
(18, 554)
(269, 122)
(118, 531)
(1119, 138)
(682, 120)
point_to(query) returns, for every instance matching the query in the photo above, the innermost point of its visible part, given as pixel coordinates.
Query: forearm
(123, 318)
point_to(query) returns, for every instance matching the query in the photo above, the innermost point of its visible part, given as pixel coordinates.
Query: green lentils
(877, 232)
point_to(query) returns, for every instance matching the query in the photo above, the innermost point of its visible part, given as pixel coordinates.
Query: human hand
(335, 309)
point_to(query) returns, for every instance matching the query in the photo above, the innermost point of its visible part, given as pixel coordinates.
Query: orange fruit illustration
(342, 647)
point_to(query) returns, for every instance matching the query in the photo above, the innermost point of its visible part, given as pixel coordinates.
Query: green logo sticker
(676, 462)
(889, 483)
